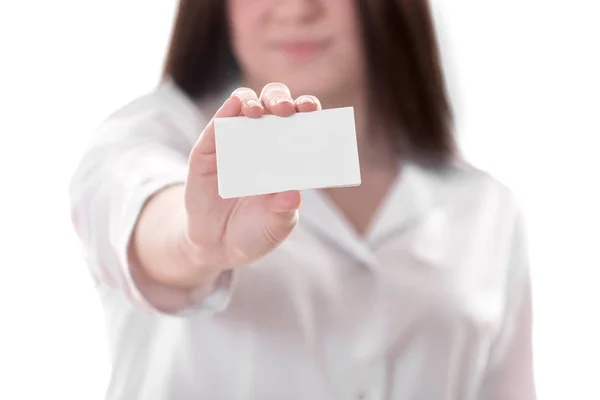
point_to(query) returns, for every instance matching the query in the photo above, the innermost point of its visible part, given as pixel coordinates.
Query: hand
(229, 233)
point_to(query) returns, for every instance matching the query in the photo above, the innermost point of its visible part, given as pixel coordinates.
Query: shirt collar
(416, 191)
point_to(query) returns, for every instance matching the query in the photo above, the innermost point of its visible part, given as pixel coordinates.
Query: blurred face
(312, 46)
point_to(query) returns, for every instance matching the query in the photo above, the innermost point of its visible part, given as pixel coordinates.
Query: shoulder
(474, 188)
(166, 107)
(467, 177)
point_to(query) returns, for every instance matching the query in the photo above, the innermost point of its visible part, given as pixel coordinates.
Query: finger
(284, 215)
(279, 226)
(205, 145)
(251, 105)
(284, 202)
(307, 103)
(277, 100)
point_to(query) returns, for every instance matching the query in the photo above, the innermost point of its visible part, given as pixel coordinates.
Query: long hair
(406, 84)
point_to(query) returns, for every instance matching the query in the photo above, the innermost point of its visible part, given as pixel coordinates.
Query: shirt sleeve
(509, 373)
(128, 160)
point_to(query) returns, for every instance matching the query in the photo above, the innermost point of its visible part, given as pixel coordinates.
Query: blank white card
(274, 154)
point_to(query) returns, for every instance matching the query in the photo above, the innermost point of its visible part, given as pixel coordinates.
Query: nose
(297, 11)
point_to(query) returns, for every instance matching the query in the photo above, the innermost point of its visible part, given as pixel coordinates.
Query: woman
(414, 285)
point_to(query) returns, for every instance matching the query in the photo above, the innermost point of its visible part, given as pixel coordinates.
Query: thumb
(282, 215)
(284, 202)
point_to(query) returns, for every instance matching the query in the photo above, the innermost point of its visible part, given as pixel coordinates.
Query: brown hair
(404, 67)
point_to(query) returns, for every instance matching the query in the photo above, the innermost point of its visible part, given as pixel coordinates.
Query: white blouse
(433, 303)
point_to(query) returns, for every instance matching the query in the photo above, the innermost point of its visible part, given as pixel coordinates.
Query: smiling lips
(301, 50)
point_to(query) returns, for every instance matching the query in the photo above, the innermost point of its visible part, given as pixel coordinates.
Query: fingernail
(252, 103)
(278, 100)
(304, 100)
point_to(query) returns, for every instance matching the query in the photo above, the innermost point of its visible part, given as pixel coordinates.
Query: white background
(524, 77)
